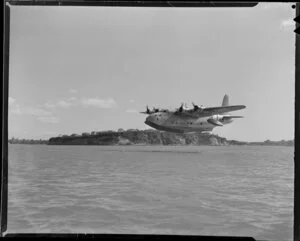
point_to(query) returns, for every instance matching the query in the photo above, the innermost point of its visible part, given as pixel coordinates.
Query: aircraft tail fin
(225, 101)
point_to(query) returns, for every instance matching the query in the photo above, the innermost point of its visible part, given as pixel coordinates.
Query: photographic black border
(297, 134)
(133, 3)
(4, 129)
(4, 111)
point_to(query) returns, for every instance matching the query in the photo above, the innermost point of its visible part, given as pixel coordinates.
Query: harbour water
(192, 190)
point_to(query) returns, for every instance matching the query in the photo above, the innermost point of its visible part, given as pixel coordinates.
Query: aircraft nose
(149, 119)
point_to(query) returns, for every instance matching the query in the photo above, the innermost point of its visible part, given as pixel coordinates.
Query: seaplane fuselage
(198, 119)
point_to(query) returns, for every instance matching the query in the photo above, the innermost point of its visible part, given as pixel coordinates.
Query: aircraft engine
(180, 109)
(197, 107)
(155, 110)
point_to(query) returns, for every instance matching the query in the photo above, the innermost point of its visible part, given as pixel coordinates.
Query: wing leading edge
(210, 111)
(223, 109)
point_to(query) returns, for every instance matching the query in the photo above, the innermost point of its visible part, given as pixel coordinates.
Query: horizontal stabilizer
(214, 122)
(206, 133)
(232, 116)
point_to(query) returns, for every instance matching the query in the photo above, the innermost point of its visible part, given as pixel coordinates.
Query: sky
(83, 69)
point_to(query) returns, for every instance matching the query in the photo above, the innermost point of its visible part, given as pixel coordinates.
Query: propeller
(181, 108)
(148, 111)
(196, 107)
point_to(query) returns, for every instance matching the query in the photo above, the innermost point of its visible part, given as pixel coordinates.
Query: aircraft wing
(223, 109)
(208, 111)
(184, 113)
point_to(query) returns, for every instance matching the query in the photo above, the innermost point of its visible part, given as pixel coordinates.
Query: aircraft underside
(179, 129)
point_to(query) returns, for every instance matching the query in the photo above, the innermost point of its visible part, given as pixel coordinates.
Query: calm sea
(239, 191)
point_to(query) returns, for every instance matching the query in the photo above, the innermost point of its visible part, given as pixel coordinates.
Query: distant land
(144, 137)
(27, 141)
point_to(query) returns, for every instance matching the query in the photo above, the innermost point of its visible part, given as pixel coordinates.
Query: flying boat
(199, 119)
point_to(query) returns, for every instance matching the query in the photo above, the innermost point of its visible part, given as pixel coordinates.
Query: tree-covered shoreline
(143, 137)
(27, 141)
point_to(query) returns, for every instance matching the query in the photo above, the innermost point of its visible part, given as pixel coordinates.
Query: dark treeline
(133, 137)
(150, 137)
(26, 141)
(274, 143)
(143, 137)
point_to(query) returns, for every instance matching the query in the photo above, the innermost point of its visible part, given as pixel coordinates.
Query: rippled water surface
(239, 191)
